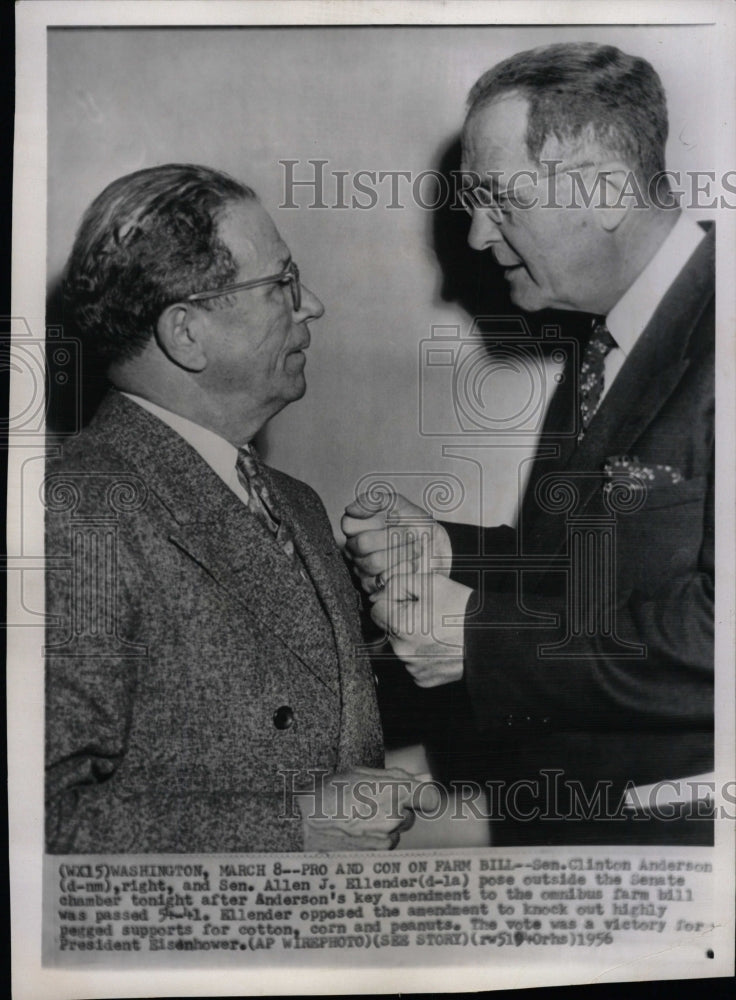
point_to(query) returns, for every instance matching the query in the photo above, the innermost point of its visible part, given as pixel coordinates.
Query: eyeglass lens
(479, 198)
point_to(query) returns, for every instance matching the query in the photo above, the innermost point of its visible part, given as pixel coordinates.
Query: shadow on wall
(74, 392)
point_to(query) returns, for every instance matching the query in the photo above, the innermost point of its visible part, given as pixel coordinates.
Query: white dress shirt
(218, 453)
(629, 317)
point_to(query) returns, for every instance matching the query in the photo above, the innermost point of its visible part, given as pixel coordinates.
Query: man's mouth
(303, 345)
(507, 265)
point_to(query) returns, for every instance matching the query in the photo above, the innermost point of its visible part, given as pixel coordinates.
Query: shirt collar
(629, 317)
(217, 452)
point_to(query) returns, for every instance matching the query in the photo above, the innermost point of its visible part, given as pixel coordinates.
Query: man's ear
(617, 193)
(179, 335)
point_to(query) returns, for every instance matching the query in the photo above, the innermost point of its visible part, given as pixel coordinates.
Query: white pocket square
(648, 473)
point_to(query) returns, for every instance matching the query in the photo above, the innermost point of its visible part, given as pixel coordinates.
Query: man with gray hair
(580, 641)
(205, 690)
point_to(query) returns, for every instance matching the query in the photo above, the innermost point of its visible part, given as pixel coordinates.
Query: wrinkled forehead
(249, 232)
(494, 135)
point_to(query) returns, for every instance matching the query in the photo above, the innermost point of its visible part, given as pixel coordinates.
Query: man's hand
(397, 534)
(365, 809)
(424, 615)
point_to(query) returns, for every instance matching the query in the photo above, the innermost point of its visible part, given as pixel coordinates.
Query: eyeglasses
(289, 276)
(497, 205)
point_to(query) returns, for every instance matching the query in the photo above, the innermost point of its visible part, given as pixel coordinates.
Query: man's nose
(311, 307)
(484, 232)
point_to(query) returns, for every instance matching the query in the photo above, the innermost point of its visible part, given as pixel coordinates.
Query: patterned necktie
(261, 504)
(592, 380)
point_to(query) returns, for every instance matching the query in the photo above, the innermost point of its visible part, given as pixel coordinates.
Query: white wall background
(362, 98)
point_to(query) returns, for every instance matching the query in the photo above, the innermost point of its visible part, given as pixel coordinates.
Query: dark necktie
(261, 504)
(592, 379)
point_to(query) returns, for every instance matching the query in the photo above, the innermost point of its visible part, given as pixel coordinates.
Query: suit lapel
(360, 728)
(557, 440)
(305, 532)
(215, 529)
(319, 565)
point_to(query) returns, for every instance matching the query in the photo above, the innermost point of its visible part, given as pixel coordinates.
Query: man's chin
(523, 292)
(298, 387)
(288, 393)
(293, 372)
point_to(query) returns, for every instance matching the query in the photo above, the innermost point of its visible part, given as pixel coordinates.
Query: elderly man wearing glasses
(577, 644)
(203, 686)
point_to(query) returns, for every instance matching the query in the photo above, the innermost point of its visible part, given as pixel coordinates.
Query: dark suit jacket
(595, 709)
(191, 668)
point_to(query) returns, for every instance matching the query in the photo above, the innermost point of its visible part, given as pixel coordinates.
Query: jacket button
(283, 717)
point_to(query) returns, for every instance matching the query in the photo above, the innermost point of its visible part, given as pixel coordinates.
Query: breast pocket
(661, 495)
(663, 537)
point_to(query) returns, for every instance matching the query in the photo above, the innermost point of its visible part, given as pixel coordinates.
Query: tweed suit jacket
(634, 706)
(188, 672)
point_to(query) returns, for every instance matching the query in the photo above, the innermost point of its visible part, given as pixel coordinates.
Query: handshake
(402, 558)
